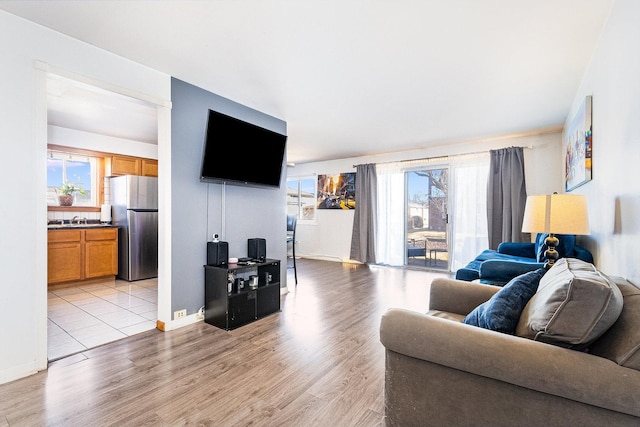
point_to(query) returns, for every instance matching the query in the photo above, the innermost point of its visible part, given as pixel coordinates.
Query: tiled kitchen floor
(87, 316)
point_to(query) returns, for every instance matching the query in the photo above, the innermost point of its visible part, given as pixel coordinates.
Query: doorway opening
(87, 117)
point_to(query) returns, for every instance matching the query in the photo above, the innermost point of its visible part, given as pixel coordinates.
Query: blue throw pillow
(502, 312)
(564, 248)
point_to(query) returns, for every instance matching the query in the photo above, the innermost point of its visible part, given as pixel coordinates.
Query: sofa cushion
(519, 249)
(498, 272)
(502, 311)
(621, 343)
(565, 246)
(574, 305)
(471, 271)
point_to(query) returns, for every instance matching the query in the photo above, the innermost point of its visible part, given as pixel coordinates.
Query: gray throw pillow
(574, 305)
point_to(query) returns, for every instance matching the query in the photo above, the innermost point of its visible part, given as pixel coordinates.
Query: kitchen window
(76, 169)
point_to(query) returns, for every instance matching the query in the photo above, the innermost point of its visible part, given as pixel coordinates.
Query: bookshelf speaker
(257, 249)
(217, 253)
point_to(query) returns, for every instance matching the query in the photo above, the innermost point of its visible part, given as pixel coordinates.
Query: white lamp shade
(557, 214)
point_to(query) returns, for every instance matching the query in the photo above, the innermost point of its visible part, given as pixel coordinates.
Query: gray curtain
(363, 238)
(506, 196)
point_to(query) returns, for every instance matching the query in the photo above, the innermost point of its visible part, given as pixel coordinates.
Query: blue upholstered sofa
(511, 259)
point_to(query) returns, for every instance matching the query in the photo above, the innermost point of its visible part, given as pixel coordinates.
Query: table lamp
(555, 214)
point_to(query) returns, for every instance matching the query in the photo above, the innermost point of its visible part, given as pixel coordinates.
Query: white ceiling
(75, 105)
(355, 77)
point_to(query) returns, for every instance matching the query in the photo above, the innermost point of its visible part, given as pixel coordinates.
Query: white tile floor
(87, 316)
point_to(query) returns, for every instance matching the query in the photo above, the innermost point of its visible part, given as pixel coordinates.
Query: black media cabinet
(228, 306)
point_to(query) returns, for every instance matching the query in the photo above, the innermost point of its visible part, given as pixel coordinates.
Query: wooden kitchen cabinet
(125, 165)
(81, 254)
(149, 167)
(65, 260)
(121, 165)
(101, 252)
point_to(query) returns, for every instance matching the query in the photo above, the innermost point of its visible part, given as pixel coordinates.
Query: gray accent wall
(198, 210)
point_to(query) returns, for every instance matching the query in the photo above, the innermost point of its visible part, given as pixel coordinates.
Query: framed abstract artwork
(578, 144)
(337, 191)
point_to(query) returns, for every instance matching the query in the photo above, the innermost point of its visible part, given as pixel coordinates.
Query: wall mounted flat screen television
(257, 154)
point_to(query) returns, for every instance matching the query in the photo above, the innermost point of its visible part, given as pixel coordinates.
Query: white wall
(614, 193)
(23, 257)
(329, 237)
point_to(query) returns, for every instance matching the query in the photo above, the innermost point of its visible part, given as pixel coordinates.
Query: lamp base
(551, 255)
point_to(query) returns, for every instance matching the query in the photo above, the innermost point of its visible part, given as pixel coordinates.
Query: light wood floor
(318, 362)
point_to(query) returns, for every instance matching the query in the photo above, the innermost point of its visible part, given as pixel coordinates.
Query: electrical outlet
(179, 314)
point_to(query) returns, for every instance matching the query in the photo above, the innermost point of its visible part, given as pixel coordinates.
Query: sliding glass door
(427, 213)
(432, 213)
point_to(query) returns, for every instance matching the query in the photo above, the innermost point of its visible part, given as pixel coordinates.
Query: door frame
(41, 71)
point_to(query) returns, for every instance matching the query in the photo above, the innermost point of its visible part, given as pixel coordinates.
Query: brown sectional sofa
(441, 372)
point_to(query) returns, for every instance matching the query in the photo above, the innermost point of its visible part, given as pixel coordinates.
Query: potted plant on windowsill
(66, 193)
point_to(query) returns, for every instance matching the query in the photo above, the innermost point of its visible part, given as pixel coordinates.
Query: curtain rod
(445, 157)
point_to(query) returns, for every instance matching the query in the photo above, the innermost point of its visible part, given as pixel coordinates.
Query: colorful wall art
(337, 191)
(578, 148)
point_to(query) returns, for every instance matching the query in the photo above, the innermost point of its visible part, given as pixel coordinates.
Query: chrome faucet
(78, 220)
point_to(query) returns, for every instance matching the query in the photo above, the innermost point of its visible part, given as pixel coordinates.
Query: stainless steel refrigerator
(134, 201)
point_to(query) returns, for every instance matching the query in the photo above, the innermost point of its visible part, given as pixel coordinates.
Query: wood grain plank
(317, 362)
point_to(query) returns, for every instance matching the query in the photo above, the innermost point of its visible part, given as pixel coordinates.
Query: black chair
(291, 238)
(416, 249)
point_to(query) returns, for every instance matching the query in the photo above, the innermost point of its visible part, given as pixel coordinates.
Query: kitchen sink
(78, 225)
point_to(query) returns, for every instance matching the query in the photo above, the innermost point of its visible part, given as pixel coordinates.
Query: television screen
(256, 156)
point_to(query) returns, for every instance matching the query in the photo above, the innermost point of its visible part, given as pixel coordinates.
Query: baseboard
(17, 372)
(191, 319)
(75, 283)
(178, 323)
(329, 258)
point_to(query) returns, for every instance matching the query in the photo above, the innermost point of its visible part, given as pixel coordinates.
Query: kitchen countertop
(75, 226)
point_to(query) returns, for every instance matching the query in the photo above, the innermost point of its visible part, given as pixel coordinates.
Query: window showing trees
(427, 217)
(77, 171)
(427, 197)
